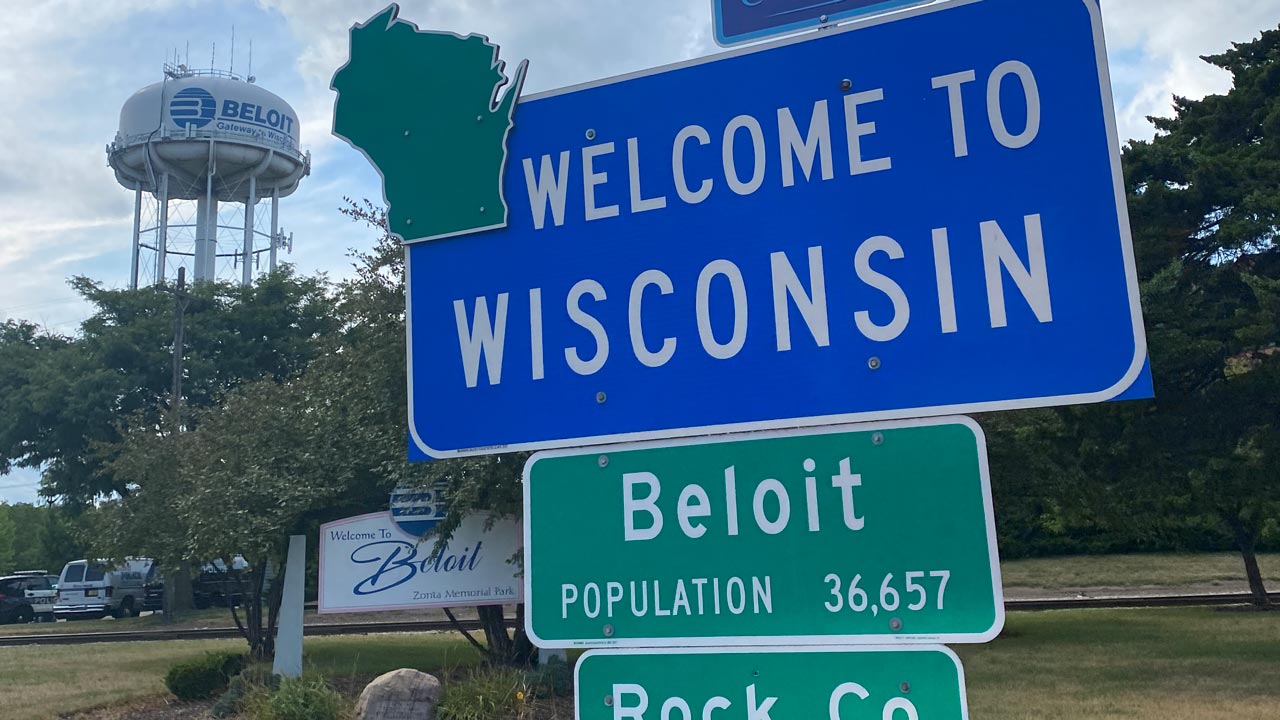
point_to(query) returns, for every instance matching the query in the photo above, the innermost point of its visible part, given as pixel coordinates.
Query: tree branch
(458, 626)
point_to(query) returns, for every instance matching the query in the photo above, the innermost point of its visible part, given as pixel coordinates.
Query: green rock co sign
(908, 683)
(854, 534)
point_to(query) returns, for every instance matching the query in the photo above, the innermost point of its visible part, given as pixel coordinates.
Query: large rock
(400, 695)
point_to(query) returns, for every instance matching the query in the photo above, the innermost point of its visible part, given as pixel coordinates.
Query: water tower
(200, 149)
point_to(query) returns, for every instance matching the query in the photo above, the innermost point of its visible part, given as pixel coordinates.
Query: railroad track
(372, 628)
(369, 628)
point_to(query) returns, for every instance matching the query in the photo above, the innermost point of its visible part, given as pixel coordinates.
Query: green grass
(373, 655)
(41, 681)
(1182, 664)
(1131, 571)
(213, 617)
(1177, 664)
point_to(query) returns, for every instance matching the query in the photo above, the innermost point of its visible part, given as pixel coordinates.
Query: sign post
(865, 534)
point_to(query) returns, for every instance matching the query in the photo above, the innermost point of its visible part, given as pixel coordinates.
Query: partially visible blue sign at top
(740, 21)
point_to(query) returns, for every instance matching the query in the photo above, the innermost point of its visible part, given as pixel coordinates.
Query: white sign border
(1126, 239)
(774, 650)
(884, 639)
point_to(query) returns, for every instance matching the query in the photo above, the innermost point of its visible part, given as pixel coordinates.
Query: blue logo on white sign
(417, 510)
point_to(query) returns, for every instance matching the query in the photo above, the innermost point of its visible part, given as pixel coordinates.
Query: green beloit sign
(908, 683)
(853, 534)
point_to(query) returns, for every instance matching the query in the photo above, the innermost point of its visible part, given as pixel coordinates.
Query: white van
(97, 589)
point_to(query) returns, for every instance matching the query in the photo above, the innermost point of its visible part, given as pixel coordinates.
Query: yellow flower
(520, 696)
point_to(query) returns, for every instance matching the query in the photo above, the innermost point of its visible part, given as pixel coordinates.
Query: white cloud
(20, 486)
(1156, 47)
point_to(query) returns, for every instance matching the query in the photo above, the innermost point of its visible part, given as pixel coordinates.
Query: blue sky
(71, 64)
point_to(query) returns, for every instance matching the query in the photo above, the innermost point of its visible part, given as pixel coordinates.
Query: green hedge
(205, 676)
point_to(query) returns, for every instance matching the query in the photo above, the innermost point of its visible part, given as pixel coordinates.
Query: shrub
(304, 698)
(229, 705)
(203, 677)
(552, 679)
(487, 693)
(252, 679)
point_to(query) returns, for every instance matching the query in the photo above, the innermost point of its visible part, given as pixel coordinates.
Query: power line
(38, 305)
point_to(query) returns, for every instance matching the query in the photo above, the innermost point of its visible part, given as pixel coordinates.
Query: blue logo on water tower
(192, 107)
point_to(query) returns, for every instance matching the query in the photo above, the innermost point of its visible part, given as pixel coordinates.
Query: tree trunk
(495, 632)
(183, 600)
(1246, 541)
(525, 651)
(503, 648)
(265, 645)
(177, 592)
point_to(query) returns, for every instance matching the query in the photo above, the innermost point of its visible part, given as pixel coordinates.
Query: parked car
(96, 589)
(15, 606)
(153, 593)
(213, 586)
(43, 598)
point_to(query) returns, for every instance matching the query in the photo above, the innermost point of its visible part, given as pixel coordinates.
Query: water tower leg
(275, 227)
(247, 261)
(162, 233)
(137, 237)
(207, 234)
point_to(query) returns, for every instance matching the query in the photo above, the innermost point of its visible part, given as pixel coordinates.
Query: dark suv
(15, 607)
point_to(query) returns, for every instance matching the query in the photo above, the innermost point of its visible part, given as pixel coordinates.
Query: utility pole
(177, 590)
(180, 300)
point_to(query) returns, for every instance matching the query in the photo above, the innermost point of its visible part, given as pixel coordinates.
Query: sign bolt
(408, 221)
(406, 133)
(895, 624)
(877, 439)
(604, 461)
(874, 363)
(905, 687)
(822, 18)
(846, 84)
(479, 118)
(608, 700)
(481, 209)
(608, 631)
(591, 134)
(601, 397)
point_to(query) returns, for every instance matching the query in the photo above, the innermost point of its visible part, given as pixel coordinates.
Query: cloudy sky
(70, 64)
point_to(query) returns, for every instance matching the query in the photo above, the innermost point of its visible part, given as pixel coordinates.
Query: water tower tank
(211, 139)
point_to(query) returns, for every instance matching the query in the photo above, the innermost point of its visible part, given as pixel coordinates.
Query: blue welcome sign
(820, 230)
(739, 21)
